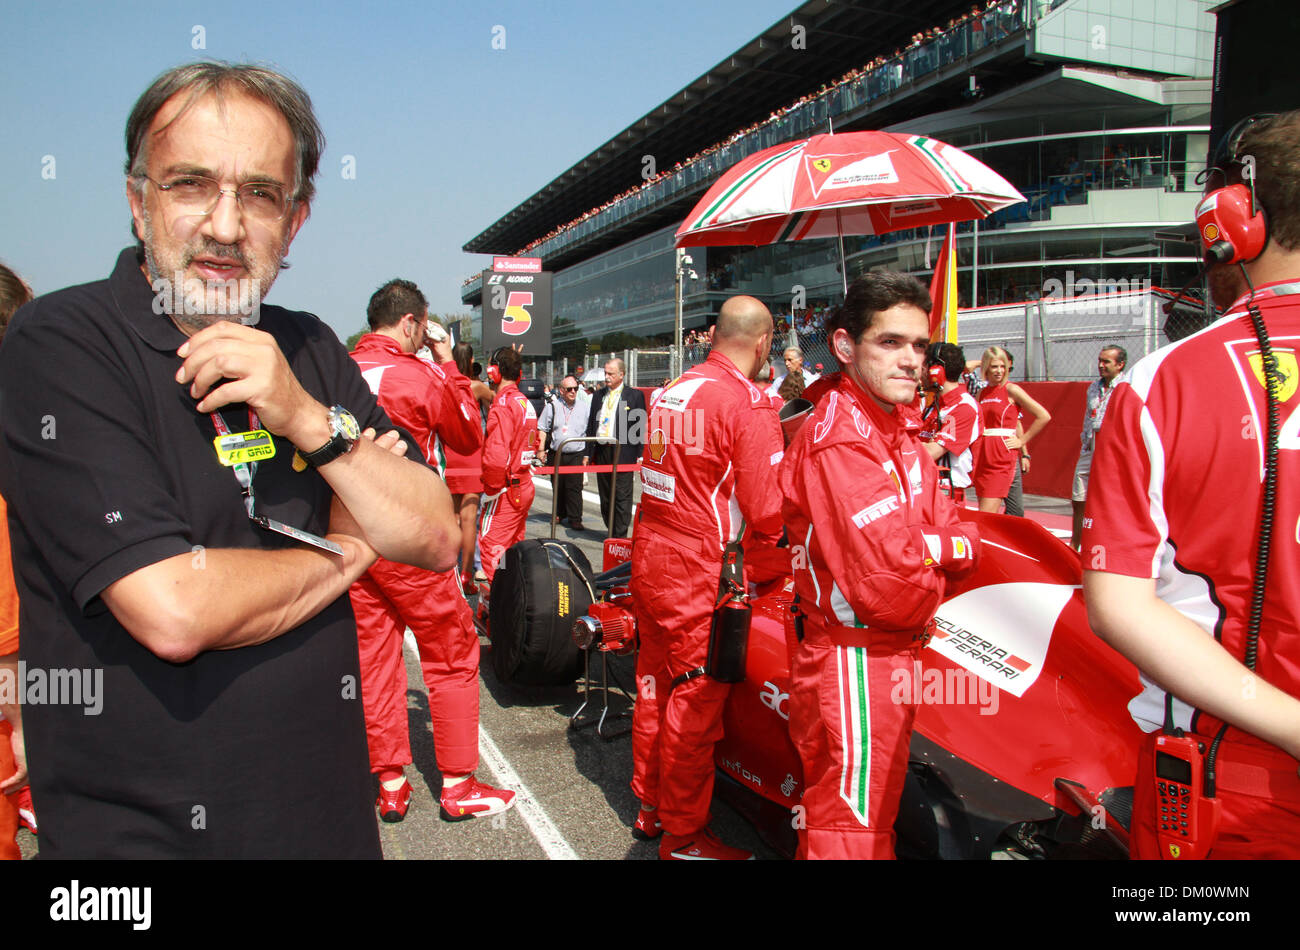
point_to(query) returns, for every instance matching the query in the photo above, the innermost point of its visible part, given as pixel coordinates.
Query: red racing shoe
(393, 804)
(647, 826)
(472, 799)
(703, 845)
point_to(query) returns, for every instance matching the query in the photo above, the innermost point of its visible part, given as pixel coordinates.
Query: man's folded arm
(403, 507)
(228, 597)
(401, 504)
(1185, 660)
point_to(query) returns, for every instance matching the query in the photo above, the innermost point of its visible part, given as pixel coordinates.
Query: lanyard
(245, 472)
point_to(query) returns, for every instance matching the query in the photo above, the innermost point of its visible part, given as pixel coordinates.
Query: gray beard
(194, 305)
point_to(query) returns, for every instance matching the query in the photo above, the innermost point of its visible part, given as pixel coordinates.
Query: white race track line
(527, 807)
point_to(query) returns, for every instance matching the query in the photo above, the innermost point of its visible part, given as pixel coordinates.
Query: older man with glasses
(562, 419)
(191, 499)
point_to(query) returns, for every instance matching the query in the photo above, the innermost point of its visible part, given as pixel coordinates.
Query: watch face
(346, 423)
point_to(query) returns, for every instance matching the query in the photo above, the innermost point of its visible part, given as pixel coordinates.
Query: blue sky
(446, 133)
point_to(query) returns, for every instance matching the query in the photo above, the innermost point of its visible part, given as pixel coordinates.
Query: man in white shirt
(793, 364)
(562, 419)
(618, 411)
(1110, 363)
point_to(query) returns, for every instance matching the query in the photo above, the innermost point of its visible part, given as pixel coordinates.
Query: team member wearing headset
(508, 453)
(1172, 531)
(950, 438)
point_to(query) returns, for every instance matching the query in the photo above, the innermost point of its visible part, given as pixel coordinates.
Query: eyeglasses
(262, 201)
(568, 389)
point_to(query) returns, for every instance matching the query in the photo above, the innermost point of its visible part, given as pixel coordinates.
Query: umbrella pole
(844, 266)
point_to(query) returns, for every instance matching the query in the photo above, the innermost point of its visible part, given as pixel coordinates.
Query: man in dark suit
(619, 411)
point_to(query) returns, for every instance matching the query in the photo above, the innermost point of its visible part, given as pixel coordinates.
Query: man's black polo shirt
(107, 468)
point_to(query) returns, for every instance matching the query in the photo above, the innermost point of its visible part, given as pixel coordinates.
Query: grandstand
(1097, 110)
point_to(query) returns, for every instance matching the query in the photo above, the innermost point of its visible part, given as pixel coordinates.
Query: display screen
(1173, 768)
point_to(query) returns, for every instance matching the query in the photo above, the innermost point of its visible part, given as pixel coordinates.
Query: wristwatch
(344, 433)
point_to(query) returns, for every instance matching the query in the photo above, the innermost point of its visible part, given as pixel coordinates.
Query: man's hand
(256, 373)
(389, 440)
(441, 349)
(12, 784)
(1024, 464)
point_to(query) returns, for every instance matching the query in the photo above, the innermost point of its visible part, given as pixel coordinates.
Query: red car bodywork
(1014, 689)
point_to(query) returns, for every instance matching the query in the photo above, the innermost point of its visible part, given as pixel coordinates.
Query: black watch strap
(345, 436)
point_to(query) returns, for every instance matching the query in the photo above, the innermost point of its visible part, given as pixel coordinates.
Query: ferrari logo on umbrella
(1288, 372)
(831, 185)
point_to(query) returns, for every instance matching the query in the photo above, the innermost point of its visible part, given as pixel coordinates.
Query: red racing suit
(508, 452)
(873, 542)
(708, 477)
(1174, 495)
(434, 404)
(958, 431)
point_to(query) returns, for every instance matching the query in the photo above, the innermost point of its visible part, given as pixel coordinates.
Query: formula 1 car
(1023, 744)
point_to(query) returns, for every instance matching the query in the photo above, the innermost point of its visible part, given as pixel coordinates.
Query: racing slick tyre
(540, 589)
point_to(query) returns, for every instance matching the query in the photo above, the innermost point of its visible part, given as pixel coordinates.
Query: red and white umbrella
(851, 183)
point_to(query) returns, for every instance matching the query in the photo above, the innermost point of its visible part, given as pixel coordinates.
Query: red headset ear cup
(494, 374)
(1230, 233)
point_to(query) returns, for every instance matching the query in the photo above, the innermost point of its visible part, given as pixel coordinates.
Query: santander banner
(517, 265)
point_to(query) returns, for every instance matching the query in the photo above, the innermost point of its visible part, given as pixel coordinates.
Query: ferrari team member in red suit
(435, 405)
(1173, 521)
(508, 454)
(465, 472)
(874, 543)
(1000, 405)
(950, 439)
(695, 498)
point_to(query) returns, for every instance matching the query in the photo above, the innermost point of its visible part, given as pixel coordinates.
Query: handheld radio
(1187, 818)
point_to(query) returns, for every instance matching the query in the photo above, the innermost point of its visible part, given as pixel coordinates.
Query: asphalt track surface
(574, 801)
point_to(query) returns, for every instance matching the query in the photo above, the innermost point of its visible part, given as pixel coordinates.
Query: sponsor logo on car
(973, 631)
(735, 766)
(772, 697)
